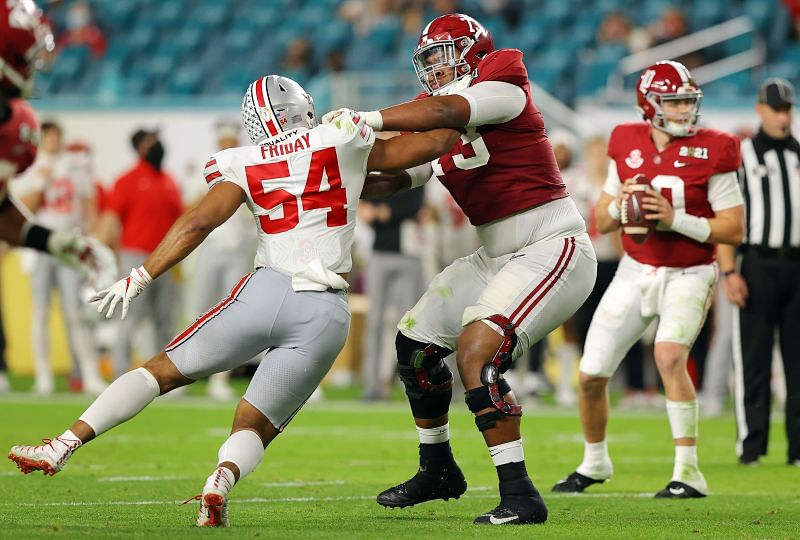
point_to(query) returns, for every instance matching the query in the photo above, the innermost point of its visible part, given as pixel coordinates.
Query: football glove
(373, 119)
(124, 290)
(85, 254)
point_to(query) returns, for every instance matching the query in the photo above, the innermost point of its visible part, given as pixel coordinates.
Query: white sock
(434, 435)
(686, 469)
(510, 452)
(122, 400)
(596, 461)
(682, 418)
(244, 449)
(222, 479)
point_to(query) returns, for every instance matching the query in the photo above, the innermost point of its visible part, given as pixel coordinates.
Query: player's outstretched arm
(182, 238)
(378, 185)
(194, 226)
(408, 151)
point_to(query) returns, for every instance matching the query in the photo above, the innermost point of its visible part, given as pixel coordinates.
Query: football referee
(763, 280)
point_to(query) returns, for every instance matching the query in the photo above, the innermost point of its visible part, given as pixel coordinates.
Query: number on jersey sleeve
(335, 198)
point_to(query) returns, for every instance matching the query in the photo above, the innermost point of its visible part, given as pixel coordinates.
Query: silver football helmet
(275, 104)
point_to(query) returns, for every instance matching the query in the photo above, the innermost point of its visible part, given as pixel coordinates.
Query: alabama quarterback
(302, 182)
(23, 39)
(534, 268)
(695, 199)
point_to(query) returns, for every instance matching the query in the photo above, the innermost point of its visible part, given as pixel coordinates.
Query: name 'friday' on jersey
(497, 170)
(681, 172)
(303, 190)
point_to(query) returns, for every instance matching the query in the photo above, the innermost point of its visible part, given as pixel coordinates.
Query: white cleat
(214, 500)
(49, 457)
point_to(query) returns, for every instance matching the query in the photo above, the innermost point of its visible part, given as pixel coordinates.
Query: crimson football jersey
(681, 172)
(497, 170)
(18, 136)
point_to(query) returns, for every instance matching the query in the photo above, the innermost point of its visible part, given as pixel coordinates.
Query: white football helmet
(273, 105)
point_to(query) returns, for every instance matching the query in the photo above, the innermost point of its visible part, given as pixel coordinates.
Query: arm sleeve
(493, 102)
(724, 191)
(613, 183)
(420, 174)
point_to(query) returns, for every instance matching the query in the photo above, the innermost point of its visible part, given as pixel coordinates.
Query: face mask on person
(155, 155)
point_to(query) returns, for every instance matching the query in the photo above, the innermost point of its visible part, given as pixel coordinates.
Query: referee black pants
(773, 304)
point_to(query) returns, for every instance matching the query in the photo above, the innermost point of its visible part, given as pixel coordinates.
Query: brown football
(632, 212)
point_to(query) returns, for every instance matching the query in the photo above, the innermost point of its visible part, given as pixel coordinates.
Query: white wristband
(141, 277)
(613, 210)
(696, 228)
(374, 119)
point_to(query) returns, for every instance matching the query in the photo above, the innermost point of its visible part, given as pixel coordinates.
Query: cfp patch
(634, 160)
(698, 152)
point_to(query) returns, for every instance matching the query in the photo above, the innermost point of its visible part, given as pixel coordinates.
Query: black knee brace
(490, 395)
(428, 380)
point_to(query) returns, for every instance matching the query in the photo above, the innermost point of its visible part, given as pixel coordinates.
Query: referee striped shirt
(770, 178)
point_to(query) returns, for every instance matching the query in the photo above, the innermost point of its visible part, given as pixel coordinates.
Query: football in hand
(632, 213)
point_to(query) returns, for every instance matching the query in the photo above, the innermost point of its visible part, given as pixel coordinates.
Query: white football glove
(85, 254)
(125, 290)
(329, 117)
(373, 119)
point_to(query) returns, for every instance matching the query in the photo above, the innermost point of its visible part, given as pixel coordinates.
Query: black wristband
(36, 237)
(728, 272)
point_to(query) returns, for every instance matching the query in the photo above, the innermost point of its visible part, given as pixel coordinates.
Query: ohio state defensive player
(535, 268)
(697, 203)
(302, 183)
(23, 38)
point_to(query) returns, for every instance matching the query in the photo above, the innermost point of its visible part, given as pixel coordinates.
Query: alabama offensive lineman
(535, 268)
(23, 38)
(302, 183)
(695, 199)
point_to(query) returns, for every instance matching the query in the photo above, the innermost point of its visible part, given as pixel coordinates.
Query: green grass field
(320, 477)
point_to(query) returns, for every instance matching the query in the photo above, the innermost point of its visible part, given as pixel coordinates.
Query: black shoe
(515, 510)
(743, 460)
(679, 490)
(575, 483)
(427, 485)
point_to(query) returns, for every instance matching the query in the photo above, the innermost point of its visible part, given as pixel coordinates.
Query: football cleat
(515, 510)
(575, 483)
(214, 501)
(427, 485)
(49, 457)
(679, 490)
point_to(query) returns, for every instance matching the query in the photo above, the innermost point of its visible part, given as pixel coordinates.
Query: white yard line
(140, 478)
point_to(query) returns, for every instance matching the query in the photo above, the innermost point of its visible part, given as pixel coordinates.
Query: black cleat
(515, 510)
(679, 490)
(575, 483)
(427, 485)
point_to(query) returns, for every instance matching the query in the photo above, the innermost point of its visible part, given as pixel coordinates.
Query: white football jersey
(303, 190)
(64, 195)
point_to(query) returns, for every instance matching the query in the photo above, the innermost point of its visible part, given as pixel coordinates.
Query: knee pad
(490, 395)
(482, 397)
(428, 380)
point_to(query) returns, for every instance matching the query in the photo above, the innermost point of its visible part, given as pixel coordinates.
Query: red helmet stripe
(261, 87)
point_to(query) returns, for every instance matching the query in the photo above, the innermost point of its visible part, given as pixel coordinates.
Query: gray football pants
(304, 332)
(158, 301)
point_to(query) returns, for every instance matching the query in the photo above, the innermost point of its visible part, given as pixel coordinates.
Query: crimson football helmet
(669, 81)
(449, 50)
(24, 38)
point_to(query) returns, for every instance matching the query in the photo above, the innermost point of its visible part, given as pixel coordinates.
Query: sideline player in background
(302, 183)
(59, 189)
(24, 37)
(696, 200)
(535, 268)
